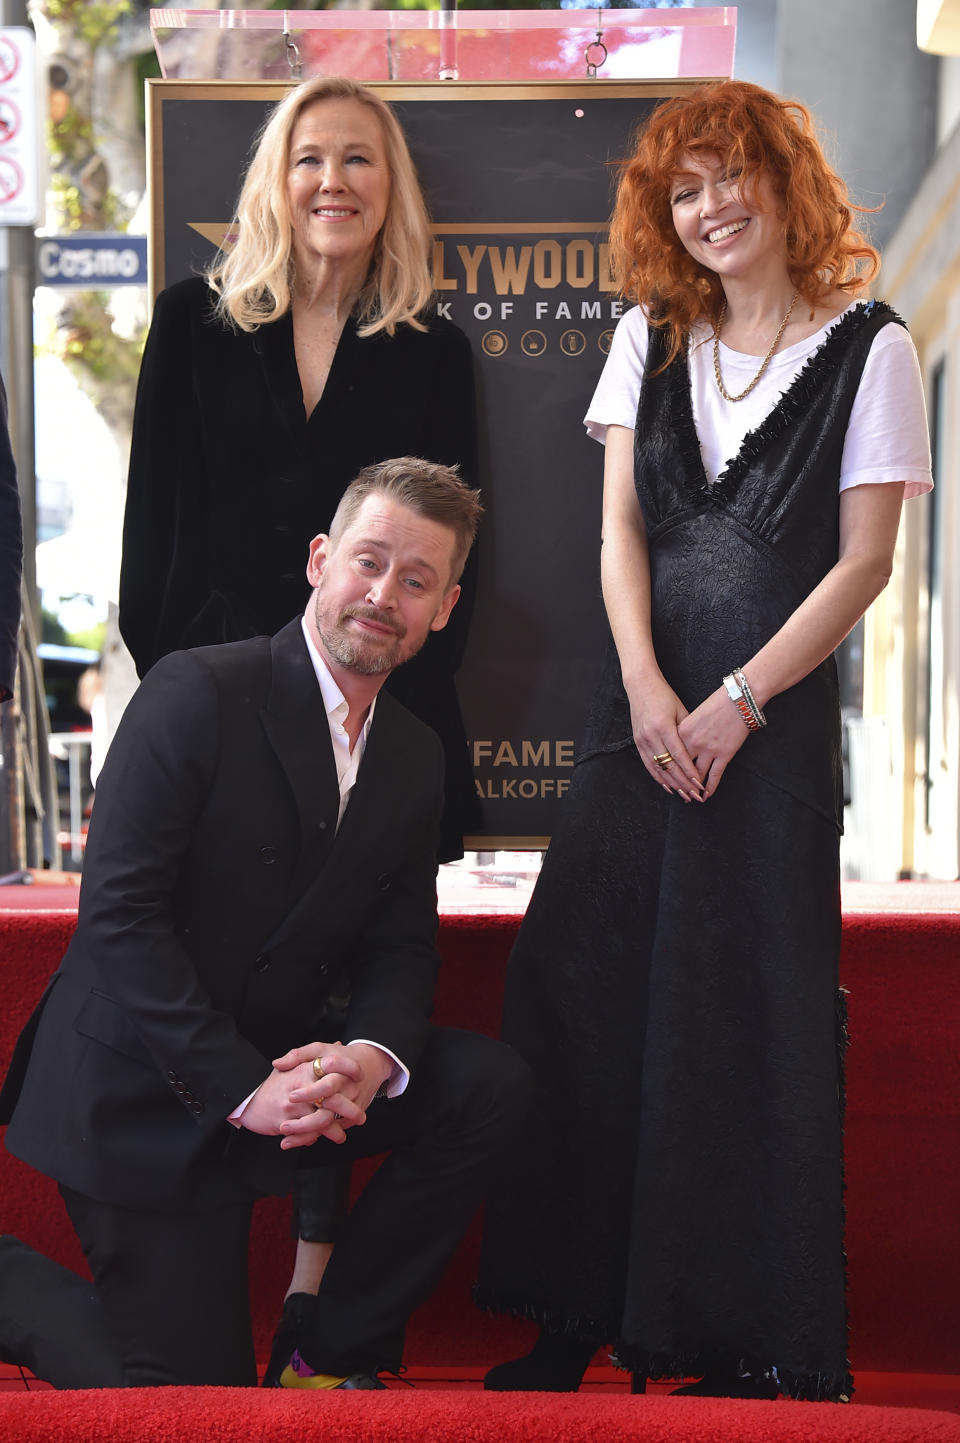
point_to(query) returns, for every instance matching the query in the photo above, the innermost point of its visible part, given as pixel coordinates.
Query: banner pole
(448, 41)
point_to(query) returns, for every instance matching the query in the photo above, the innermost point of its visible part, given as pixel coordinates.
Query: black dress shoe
(291, 1377)
(298, 1310)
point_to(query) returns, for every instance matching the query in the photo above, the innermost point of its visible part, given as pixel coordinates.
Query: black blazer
(229, 482)
(219, 911)
(11, 556)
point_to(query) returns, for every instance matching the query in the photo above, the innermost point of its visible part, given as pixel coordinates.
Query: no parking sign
(19, 147)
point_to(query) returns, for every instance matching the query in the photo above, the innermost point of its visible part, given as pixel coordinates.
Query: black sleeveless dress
(674, 984)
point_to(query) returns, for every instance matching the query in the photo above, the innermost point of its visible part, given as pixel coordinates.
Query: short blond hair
(433, 491)
(253, 279)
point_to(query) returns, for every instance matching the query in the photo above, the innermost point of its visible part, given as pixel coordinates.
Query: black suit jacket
(11, 556)
(229, 482)
(220, 908)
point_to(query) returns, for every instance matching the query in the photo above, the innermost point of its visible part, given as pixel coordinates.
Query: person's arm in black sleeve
(154, 786)
(11, 556)
(163, 571)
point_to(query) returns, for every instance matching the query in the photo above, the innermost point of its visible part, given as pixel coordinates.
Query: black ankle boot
(298, 1309)
(729, 1383)
(555, 1365)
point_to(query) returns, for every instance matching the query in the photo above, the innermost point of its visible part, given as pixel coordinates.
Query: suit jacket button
(179, 1086)
(262, 964)
(196, 1107)
(384, 880)
(323, 968)
(268, 855)
(171, 1077)
(321, 826)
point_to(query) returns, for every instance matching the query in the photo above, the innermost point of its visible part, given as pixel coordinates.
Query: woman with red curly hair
(674, 984)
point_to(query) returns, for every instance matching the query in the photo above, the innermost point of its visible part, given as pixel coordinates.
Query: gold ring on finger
(663, 759)
(318, 1071)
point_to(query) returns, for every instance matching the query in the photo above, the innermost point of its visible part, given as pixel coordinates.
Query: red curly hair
(761, 136)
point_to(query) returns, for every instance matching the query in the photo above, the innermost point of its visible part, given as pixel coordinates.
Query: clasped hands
(699, 743)
(285, 1104)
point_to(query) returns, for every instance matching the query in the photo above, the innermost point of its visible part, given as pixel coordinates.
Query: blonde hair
(253, 280)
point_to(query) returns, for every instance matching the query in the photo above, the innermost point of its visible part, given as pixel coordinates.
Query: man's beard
(355, 653)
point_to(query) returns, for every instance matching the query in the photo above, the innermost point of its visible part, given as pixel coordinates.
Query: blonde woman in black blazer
(268, 384)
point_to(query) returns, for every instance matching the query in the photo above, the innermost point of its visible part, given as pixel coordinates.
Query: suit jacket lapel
(375, 778)
(295, 722)
(373, 787)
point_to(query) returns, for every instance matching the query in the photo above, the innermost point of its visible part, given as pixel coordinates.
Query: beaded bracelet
(742, 697)
(758, 715)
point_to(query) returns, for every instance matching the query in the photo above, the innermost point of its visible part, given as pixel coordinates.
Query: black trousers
(321, 1195)
(321, 1201)
(172, 1291)
(173, 1288)
(51, 1321)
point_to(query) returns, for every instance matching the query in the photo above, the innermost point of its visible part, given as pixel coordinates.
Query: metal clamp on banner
(594, 48)
(293, 50)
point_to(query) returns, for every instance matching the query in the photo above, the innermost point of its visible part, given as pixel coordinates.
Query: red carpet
(219, 1415)
(901, 969)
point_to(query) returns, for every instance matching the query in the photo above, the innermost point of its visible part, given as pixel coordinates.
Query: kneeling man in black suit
(263, 839)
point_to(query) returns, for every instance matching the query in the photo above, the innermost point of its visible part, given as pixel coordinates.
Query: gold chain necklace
(766, 360)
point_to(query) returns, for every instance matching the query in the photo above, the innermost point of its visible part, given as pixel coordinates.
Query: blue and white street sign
(92, 260)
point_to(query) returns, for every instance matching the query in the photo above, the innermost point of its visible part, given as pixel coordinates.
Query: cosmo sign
(92, 260)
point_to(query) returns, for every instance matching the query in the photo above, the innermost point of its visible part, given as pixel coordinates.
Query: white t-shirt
(886, 440)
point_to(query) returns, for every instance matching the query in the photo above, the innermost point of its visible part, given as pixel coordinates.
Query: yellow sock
(291, 1379)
